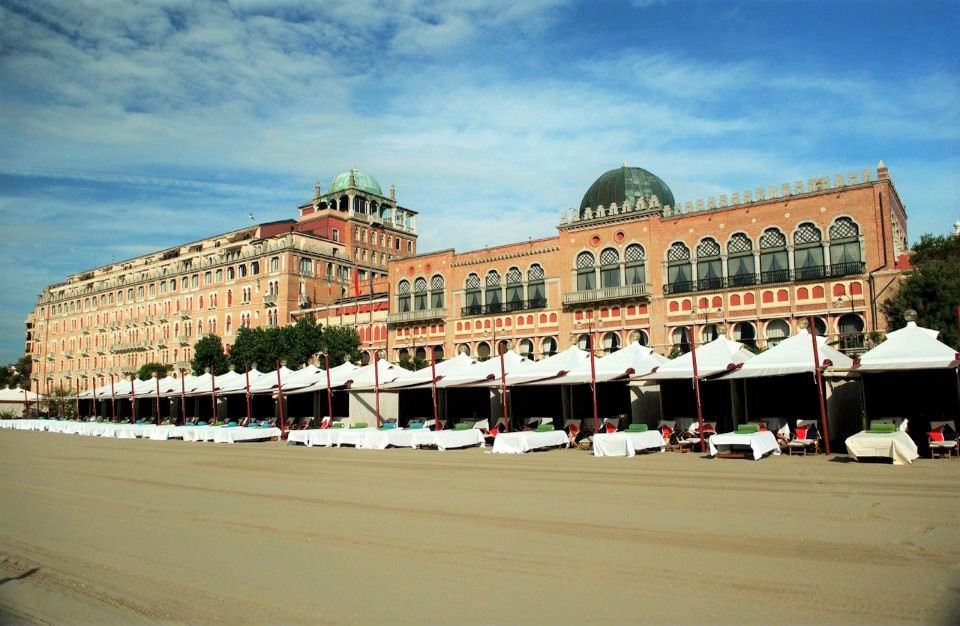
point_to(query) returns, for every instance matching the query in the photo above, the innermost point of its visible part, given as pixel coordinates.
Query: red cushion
(935, 435)
(611, 428)
(574, 429)
(802, 432)
(494, 432)
(707, 428)
(667, 431)
(763, 427)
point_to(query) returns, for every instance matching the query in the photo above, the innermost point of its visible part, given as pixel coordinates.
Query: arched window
(403, 296)
(611, 343)
(636, 271)
(610, 268)
(231, 273)
(548, 346)
(709, 268)
(229, 297)
(483, 350)
(808, 252)
(207, 278)
(741, 269)
(420, 294)
(710, 332)
(586, 272)
(514, 289)
(639, 336)
(536, 292)
(275, 264)
(679, 279)
(254, 268)
(229, 323)
(526, 348)
(491, 294)
(436, 292)
(774, 266)
(464, 349)
(845, 255)
(745, 333)
(242, 271)
(473, 303)
(681, 339)
(851, 331)
(777, 331)
(219, 276)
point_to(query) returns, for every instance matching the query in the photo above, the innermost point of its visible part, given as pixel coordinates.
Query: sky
(127, 127)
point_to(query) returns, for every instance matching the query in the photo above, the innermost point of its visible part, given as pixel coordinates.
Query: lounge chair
(806, 437)
(943, 439)
(668, 429)
(689, 439)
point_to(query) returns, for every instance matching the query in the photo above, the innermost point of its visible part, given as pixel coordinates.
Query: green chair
(637, 428)
(462, 426)
(359, 425)
(882, 427)
(544, 428)
(337, 425)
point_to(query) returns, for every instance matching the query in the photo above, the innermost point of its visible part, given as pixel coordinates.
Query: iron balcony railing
(416, 316)
(503, 307)
(623, 292)
(816, 272)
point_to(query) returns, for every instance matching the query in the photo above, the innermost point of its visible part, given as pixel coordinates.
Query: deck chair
(689, 440)
(943, 440)
(668, 429)
(806, 437)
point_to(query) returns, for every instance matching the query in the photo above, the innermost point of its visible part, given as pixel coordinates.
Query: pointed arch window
(635, 268)
(536, 291)
(741, 266)
(492, 295)
(774, 265)
(420, 294)
(586, 272)
(845, 254)
(808, 252)
(474, 305)
(403, 296)
(436, 292)
(679, 275)
(709, 266)
(514, 289)
(610, 268)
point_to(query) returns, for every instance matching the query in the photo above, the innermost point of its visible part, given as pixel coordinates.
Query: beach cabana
(415, 392)
(367, 399)
(671, 385)
(14, 400)
(913, 359)
(781, 386)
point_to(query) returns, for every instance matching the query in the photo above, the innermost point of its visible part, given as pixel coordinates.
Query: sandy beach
(130, 532)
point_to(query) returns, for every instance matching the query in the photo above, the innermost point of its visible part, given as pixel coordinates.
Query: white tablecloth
(449, 439)
(761, 443)
(626, 443)
(233, 434)
(896, 445)
(196, 433)
(527, 440)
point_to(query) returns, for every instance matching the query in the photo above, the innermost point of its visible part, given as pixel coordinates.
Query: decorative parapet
(416, 316)
(651, 206)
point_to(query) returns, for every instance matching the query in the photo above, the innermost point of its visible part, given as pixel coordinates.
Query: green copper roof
(362, 181)
(626, 183)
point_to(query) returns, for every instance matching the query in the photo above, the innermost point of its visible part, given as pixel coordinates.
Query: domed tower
(626, 184)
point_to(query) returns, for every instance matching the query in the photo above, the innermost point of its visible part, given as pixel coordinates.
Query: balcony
(417, 316)
(624, 292)
(813, 273)
(503, 307)
(269, 299)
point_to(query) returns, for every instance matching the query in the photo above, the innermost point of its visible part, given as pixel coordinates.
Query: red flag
(356, 281)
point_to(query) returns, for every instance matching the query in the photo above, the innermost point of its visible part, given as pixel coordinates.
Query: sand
(129, 532)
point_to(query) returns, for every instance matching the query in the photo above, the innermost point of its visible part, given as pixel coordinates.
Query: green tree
(412, 364)
(302, 340)
(208, 352)
(147, 369)
(16, 373)
(931, 288)
(340, 343)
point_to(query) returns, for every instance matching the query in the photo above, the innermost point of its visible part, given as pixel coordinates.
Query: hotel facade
(631, 264)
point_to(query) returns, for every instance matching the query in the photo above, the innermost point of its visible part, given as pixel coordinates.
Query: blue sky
(128, 127)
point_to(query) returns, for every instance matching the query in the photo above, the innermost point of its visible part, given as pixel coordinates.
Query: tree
(302, 340)
(412, 364)
(340, 343)
(208, 352)
(147, 369)
(931, 288)
(16, 374)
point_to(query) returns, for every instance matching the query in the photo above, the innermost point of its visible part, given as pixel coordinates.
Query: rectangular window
(436, 299)
(610, 276)
(586, 280)
(335, 235)
(636, 274)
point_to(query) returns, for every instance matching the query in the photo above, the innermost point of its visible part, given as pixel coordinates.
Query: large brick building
(631, 264)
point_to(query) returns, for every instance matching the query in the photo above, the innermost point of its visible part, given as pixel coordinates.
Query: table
(760, 443)
(527, 440)
(896, 445)
(627, 443)
(449, 439)
(233, 434)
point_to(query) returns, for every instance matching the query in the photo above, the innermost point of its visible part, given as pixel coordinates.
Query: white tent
(339, 376)
(720, 355)
(910, 348)
(793, 355)
(386, 372)
(268, 382)
(487, 371)
(422, 378)
(633, 359)
(12, 400)
(303, 377)
(238, 384)
(553, 368)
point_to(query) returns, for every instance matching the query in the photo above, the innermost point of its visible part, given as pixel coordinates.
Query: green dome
(626, 183)
(362, 181)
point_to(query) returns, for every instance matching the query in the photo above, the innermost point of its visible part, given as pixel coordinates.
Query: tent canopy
(712, 358)
(423, 377)
(366, 378)
(910, 348)
(485, 371)
(793, 355)
(633, 359)
(553, 367)
(339, 376)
